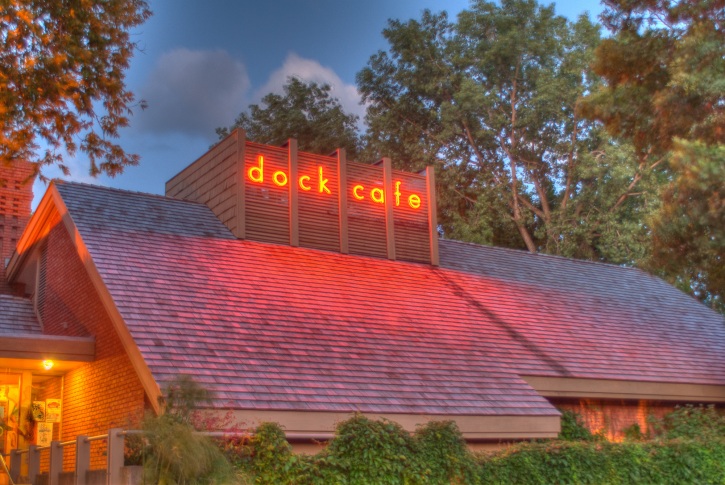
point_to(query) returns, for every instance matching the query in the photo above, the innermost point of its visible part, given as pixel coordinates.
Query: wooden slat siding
(199, 162)
(318, 212)
(342, 199)
(389, 205)
(211, 180)
(432, 215)
(411, 225)
(239, 215)
(267, 205)
(294, 226)
(366, 221)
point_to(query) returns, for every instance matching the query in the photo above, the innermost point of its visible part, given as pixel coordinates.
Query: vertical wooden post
(56, 463)
(15, 464)
(342, 199)
(389, 204)
(83, 459)
(114, 462)
(430, 182)
(294, 200)
(33, 463)
(241, 227)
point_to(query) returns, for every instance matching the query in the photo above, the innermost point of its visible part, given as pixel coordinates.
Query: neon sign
(306, 183)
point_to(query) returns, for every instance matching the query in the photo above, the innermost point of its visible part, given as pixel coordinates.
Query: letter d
(256, 173)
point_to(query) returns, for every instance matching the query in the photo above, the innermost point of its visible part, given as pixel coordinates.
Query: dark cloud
(193, 92)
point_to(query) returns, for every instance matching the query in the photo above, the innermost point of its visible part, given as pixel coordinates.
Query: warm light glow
(303, 185)
(323, 181)
(306, 183)
(256, 173)
(356, 192)
(48, 364)
(279, 178)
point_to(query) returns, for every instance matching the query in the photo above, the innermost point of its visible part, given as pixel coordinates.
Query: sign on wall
(281, 195)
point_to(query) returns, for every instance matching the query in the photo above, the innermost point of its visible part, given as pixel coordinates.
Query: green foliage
(174, 452)
(444, 454)
(490, 101)
(634, 433)
(272, 459)
(62, 79)
(691, 422)
(182, 398)
(366, 451)
(674, 462)
(307, 112)
(689, 231)
(664, 92)
(573, 428)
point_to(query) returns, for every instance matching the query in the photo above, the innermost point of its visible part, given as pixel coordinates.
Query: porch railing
(114, 459)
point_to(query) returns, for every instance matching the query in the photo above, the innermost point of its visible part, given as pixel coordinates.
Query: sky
(202, 62)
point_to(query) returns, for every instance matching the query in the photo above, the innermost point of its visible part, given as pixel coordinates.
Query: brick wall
(102, 394)
(16, 196)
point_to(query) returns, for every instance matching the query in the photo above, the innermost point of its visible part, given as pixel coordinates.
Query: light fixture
(48, 364)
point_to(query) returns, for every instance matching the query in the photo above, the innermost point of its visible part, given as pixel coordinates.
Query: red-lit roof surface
(275, 327)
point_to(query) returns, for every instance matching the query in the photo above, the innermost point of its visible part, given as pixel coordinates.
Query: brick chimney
(16, 196)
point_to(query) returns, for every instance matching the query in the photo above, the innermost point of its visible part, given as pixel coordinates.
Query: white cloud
(193, 92)
(311, 70)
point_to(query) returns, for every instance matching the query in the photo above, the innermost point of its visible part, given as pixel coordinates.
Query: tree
(490, 101)
(664, 91)
(62, 66)
(307, 112)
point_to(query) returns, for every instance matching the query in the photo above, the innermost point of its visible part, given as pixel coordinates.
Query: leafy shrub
(174, 453)
(272, 459)
(691, 422)
(674, 462)
(574, 429)
(366, 451)
(634, 433)
(444, 453)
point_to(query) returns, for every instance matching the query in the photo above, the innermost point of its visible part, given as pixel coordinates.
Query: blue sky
(201, 63)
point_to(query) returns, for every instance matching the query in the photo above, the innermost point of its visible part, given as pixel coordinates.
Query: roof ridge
(545, 255)
(126, 191)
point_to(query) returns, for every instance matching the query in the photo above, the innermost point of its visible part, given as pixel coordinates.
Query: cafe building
(302, 288)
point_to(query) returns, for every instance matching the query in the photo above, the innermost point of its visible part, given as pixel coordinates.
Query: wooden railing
(83, 475)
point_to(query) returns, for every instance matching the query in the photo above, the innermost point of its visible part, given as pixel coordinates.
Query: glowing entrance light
(48, 364)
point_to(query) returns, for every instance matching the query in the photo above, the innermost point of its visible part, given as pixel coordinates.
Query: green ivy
(574, 429)
(366, 451)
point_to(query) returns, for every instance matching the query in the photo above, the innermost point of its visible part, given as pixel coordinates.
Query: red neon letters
(306, 183)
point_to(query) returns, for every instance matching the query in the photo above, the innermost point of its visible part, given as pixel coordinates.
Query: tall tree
(490, 101)
(307, 112)
(62, 80)
(664, 90)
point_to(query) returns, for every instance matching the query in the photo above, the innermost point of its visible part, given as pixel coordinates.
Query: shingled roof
(282, 328)
(17, 316)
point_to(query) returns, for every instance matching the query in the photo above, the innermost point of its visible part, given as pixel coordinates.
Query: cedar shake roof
(275, 327)
(17, 316)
